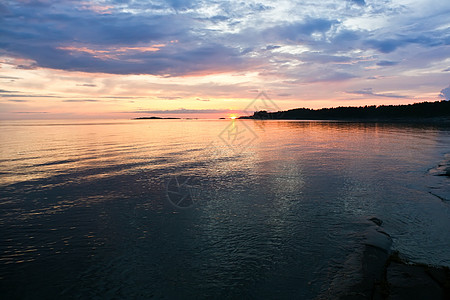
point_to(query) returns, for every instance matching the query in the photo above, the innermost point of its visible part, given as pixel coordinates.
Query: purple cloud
(369, 92)
(445, 93)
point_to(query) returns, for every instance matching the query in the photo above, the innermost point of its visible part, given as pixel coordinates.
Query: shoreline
(430, 121)
(386, 275)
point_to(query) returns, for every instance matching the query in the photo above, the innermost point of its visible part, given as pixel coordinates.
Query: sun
(233, 116)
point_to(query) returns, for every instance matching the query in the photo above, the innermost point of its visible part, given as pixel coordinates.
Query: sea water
(178, 209)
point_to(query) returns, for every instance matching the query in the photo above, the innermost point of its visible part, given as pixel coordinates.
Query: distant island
(155, 118)
(432, 111)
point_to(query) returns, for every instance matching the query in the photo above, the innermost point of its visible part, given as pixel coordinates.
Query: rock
(372, 271)
(446, 171)
(440, 275)
(376, 221)
(388, 276)
(377, 238)
(411, 282)
(372, 266)
(443, 169)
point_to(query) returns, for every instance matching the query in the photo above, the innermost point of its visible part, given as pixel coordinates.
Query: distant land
(155, 118)
(425, 111)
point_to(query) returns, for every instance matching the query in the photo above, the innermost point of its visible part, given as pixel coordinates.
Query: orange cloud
(100, 9)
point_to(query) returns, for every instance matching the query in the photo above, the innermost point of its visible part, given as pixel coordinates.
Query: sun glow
(233, 116)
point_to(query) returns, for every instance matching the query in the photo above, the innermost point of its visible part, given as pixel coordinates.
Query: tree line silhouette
(423, 110)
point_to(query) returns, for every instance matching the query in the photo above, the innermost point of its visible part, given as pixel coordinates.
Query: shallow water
(269, 209)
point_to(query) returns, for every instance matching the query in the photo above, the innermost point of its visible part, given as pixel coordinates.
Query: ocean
(181, 209)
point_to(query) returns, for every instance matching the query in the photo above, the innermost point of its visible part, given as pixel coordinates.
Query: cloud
(116, 43)
(331, 77)
(9, 77)
(428, 39)
(3, 9)
(81, 100)
(386, 46)
(387, 63)
(347, 35)
(325, 58)
(272, 47)
(122, 97)
(202, 59)
(87, 85)
(369, 92)
(359, 2)
(445, 93)
(7, 95)
(30, 112)
(32, 66)
(302, 43)
(299, 31)
(169, 97)
(181, 4)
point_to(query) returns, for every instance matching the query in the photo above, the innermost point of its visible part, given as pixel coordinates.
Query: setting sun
(233, 116)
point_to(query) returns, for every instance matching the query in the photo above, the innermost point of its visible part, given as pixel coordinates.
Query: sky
(208, 59)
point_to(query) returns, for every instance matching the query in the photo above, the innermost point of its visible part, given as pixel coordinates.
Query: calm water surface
(274, 209)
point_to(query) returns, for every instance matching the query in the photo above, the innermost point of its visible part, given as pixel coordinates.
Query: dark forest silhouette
(423, 110)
